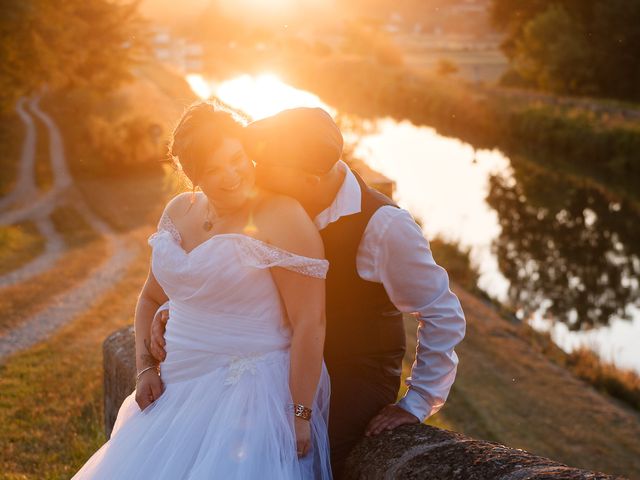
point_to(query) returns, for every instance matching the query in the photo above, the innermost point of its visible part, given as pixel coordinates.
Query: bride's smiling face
(228, 176)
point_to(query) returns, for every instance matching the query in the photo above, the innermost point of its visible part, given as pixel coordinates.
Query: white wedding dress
(225, 412)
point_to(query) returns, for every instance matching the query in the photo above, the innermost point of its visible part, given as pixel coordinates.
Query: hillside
(508, 391)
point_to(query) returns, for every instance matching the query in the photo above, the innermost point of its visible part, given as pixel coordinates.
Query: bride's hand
(149, 387)
(303, 436)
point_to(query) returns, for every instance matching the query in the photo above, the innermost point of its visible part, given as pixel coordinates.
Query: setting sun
(258, 96)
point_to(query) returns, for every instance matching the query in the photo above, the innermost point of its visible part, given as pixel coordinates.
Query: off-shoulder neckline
(178, 242)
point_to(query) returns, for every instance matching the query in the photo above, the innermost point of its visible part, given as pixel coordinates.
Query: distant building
(185, 56)
(468, 6)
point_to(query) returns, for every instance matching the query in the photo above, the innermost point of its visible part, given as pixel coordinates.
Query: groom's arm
(397, 255)
(158, 327)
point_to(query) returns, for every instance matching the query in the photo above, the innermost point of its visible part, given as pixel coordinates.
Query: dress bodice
(222, 297)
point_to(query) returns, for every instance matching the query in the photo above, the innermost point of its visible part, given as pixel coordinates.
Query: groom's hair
(304, 138)
(199, 132)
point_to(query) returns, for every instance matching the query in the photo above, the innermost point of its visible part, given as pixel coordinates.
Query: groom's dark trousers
(365, 338)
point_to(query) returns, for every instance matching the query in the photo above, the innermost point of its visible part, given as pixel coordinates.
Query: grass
(605, 376)
(73, 227)
(18, 302)
(51, 414)
(86, 249)
(51, 407)
(508, 390)
(585, 364)
(12, 134)
(43, 168)
(19, 244)
(141, 198)
(51, 410)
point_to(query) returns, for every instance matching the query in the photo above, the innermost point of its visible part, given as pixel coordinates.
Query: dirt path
(34, 204)
(62, 308)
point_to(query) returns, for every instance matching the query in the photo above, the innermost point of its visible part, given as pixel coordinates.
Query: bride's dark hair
(199, 132)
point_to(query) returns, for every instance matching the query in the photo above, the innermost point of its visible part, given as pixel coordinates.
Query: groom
(380, 267)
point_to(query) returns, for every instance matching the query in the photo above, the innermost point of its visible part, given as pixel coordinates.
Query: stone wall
(409, 452)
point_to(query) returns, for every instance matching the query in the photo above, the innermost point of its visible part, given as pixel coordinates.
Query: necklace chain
(207, 225)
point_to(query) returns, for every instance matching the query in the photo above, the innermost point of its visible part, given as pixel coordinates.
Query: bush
(129, 145)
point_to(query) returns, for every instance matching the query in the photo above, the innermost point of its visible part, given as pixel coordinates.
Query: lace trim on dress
(166, 224)
(260, 254)
(257, 253)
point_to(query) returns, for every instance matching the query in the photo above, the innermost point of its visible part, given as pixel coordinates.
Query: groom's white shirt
(393, 251)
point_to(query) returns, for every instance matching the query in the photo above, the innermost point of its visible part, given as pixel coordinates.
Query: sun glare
(258, 96)
(199, 86)
(264, 6)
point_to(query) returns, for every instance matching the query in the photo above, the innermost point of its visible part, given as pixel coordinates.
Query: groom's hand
(388, 418)
(158, 327)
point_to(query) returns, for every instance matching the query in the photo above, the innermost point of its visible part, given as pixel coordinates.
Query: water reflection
(565, 248)
(444, 183)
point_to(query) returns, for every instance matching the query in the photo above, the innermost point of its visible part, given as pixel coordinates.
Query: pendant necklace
(207, 225)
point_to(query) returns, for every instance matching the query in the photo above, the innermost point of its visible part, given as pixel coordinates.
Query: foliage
(574, 46)
(12, 132)
(371, 40)
(456, 261)
(60, 44)
(553, 53)
(130, 144)
(19, 244)
(446, 67)
(598, 144)
(564, 244)
(605, 376)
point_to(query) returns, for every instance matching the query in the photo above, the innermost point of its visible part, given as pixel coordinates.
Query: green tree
(552, 53)
(590, 45)
(615, 35)
(58, 44)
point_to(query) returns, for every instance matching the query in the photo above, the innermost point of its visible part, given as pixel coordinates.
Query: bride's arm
(148, 385)
(304, 299)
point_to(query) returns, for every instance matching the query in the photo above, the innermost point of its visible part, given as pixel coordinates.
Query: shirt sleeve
(395, 252)
(164, 306)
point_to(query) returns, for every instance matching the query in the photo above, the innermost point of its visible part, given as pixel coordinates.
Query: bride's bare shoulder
(285, 224)
(179, 205)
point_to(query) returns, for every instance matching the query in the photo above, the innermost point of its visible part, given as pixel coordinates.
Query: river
(562, 253)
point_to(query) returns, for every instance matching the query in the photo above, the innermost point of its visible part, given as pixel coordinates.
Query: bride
(243, 392)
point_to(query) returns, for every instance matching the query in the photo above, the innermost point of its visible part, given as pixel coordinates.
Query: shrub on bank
(575, 137)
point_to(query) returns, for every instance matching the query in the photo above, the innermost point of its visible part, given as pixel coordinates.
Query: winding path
(25, 186)
(64, 307)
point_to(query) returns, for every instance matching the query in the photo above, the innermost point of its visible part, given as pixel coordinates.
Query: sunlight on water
(258, 96)
(442, 182)
(199, 85)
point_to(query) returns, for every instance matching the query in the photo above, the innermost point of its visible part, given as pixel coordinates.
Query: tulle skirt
(234, 422)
